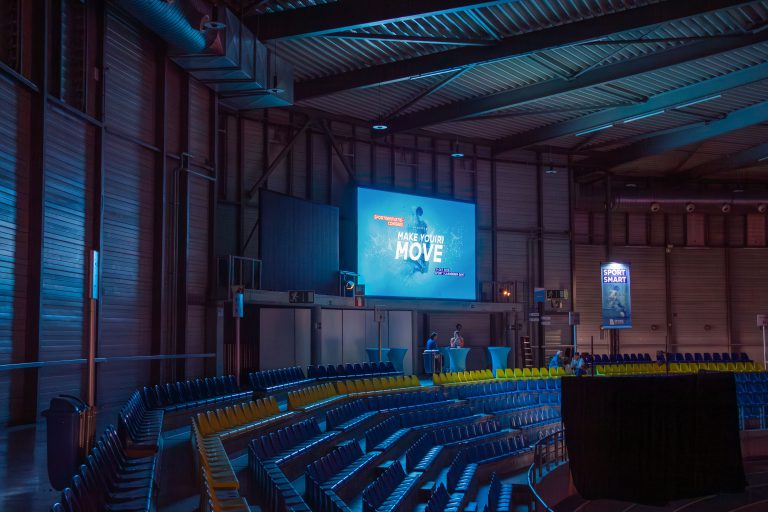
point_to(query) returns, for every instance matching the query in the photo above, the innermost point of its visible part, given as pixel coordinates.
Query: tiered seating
(325, 476)
(376, 384)
(684, 367)
(287, 443)
(505, 387)
(499, 496)
(193, 393)
(388, 493)
(274, 381)
(535, 418)
(111, 480)
(348, 415)
(422, 454)
(384, 435)
(352, 371)
(239, 419)
(139, 428)
(752, 397)
(312, 397)
(442, 501)
(459, 377)
(617, 358)
(464, 466)
(216, 470)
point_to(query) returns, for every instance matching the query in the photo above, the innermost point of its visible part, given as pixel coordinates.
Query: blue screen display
(415, 246)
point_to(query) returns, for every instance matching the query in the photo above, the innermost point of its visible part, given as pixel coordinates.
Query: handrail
(112, 359)
(548, 452)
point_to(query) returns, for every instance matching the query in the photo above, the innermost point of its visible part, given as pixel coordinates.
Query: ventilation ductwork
(228, 59)
(681, 201)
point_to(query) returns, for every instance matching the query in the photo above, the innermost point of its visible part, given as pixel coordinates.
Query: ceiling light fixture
(595, 129)
(379, 124)
(456, 150)
(643, 116)
(631, 185)
(700, 100)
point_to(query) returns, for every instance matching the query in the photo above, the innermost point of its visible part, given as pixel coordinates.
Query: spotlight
(213, 25)
(655, 207)
(551, 170)
(631, 185)
(349, 285)
(726, 208)
(690, 207)
(456, 151)
(380, 124)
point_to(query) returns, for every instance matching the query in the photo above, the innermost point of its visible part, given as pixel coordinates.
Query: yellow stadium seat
(526, 373)
(740, 367)
(500, 373)
(730, 367)
(518, 373)
(509, 373)
(560, 370)
(749, 367)
(545, 373)
(535, 373)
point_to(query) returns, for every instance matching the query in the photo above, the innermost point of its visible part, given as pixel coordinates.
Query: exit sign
(301, 297)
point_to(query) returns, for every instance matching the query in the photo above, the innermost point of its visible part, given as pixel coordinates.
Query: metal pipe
(98, 360)
(167, 20)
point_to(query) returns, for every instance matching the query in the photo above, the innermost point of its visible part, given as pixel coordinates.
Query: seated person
(577, 365)
(432, 341)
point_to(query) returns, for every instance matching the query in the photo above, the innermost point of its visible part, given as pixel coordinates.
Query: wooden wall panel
(749, 282)
(586, 295)
(697, 281)
(648, 299)
(67, 239)
(128, 281)
(14, 232)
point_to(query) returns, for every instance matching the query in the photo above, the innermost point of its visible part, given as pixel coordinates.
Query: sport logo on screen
(413, 246)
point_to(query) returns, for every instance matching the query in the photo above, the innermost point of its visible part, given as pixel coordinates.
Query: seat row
(349, 370)
(215, 468)
(617, 358)
(325, 476)
(312, 396)
(111, 480)
(289, 442)
(458, 377)
(530, 373)
(761, 377)
(404, 401)
(442, 501)
(239, 419)
(499, 496)
(422, 453)
(528, 418)
(461, 433)
(274, 488)
(464, 466)
(506, 386)
(139, 428)
(706, 357)
(376, 384)
(348, 415)
(656, 368)
(386, 493)
(175, 396)
(508, 402)
(273, 381)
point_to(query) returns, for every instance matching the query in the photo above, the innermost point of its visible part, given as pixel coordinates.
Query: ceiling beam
(511, 47)
(750, 157)
(449, 41)
(601, 75)
(353, 14)
(667, 100)
(659, 144)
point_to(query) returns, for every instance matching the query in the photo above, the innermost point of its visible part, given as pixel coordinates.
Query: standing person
(458, 340)
(556, 361)
(577, 365)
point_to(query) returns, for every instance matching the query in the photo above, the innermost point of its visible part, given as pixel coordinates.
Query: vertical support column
(182, 235)
(24, 383)
(728, 297)
(159, 293)
(316, 335)
(540, 250)
(670, 341)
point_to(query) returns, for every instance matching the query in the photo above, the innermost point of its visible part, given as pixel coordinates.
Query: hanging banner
(617, 302)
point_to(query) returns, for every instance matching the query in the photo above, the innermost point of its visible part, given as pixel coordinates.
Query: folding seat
(744, 357)
(716, 357)
(688, 357)
(726, 357)
(707, 357)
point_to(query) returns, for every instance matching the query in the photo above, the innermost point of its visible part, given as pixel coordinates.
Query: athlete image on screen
(420, 228)
(614, 302)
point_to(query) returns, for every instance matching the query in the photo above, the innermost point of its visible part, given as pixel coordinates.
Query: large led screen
(415, 246)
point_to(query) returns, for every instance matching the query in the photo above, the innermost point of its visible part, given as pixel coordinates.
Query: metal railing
(237, 271)
(548, 453)
(99, 360)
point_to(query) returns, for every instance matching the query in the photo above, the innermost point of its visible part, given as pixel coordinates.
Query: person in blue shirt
(432, 341)
(577, 365)
(556, 360)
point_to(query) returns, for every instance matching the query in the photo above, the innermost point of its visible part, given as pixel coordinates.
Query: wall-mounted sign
(539, 295)
(301, 297)
(617, 300)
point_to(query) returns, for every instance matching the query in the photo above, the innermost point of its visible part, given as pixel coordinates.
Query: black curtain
(653, 439)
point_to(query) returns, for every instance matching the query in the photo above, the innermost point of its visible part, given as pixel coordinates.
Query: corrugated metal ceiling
(317, 57)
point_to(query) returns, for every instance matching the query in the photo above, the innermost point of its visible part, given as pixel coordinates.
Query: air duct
(681, 201)
(230, 60)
